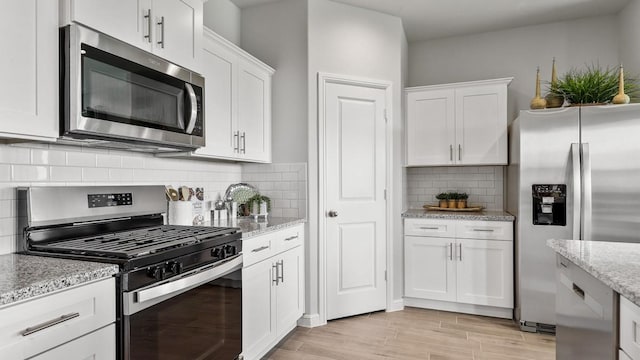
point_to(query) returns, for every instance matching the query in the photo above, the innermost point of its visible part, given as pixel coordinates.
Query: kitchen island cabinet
(29, 70)
(459, 265)
(273, 288)
(457, 124)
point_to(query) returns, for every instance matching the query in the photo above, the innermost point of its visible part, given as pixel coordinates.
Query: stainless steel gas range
(179, 292)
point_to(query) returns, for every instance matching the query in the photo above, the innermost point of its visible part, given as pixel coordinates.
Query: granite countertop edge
(604, 275)
(29, 288)
(491, 215)
(252, 233)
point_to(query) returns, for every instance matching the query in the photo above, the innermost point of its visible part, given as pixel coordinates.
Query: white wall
(362, 43)
(223, 17)
(516, 52)
(32, 164)
(629, 32)
(277, 34)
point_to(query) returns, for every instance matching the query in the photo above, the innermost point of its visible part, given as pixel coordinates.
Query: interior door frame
(323, 80)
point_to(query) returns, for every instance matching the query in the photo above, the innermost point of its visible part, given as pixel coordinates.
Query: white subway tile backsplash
(95, 174)
(46, 156)
(81, 159)
(15, 155)
(108, 160)
(484, 184)
(285, 184)
(121, 175)
(5, 172)
(29, 173)
(132, 162)
(65, 174)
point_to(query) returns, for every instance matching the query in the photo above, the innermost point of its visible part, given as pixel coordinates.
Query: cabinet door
(178, 31)
(430, 268)
(258, 308)
(125, 20)
(29, 69)
(98, 345)
(485, 272)
(430, 127)
(219, 67)
(481, 125)
(290, 290)
(254, 112)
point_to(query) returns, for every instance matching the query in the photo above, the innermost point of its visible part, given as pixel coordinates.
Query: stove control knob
(174, 267)
(217, 253)
(156, 272)
(230, 250)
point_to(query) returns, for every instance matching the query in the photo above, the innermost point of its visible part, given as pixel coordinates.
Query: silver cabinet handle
(281, 276)
(236, 141)
(161, 23)
(459, 152)
(194, 108)
(260, 249)
(291, 238)
(576, 289)
(47, 324)
(148, 18)
(274, 278)
(428, 228)
(451, 251)
(333, 213)
(451, 152)
(460, 253)
(244, 142)
(483, 230)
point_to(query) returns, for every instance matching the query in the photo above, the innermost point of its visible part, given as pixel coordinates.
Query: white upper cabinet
(237, 104)
(457, 124)
(29, 70)
(171, 29)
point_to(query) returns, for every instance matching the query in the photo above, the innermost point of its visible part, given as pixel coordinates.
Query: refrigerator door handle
(577, 192)
(586, 189)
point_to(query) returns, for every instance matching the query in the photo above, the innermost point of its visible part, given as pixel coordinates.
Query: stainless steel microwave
(116, 95)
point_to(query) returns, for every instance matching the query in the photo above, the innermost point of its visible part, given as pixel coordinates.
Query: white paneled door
(355, 178)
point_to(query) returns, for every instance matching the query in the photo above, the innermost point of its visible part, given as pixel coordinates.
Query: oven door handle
(139, 300)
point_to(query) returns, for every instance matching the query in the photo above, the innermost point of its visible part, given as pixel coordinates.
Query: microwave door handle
(194, 108)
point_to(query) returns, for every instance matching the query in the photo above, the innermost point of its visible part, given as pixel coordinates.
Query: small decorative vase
(554, 100)
(621, 98)
(461, 204)
(537, 102)
(443, 204)
(452, 203)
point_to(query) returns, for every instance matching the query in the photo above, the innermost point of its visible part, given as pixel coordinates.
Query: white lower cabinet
(63, 325)
(273, 289)
(448, 269)
(629, 330)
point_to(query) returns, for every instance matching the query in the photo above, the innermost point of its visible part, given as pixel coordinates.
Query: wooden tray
(468, 208)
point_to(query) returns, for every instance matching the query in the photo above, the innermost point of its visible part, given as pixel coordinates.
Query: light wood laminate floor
(415, 334)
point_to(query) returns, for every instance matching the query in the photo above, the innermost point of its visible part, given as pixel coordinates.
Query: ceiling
(431, 19)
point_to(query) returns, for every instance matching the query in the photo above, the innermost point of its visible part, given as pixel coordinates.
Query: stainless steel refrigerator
(574, 173)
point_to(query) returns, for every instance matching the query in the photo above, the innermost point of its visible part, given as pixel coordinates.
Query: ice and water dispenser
(549, 204)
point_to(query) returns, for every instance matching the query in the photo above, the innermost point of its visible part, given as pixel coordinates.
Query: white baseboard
(310, 321)
(396, 305)
(505, 313)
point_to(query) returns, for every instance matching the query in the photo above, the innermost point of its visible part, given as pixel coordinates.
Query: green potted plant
(592, 85)
(259, 204)
(462, 200)
(442, 197)
(453, 199)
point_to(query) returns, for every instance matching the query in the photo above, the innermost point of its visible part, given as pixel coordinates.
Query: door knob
(333, 213)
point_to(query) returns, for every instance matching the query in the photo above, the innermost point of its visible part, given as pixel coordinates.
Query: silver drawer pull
(30, 330)
(428, 228)
(484, 230)
(291, 238)
(260, 249)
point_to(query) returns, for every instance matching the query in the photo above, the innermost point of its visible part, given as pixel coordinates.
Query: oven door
(116, 91)
(195, 316)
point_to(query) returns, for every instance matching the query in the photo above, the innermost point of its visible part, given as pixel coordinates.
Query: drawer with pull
(258, 248)
(289, 238)
(430, 227)
(629, 328)
(31, 327)
(486, 230)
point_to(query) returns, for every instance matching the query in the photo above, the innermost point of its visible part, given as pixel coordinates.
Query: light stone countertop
(486, 215)
(616, 264)
(251, 227)
(25, 276)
